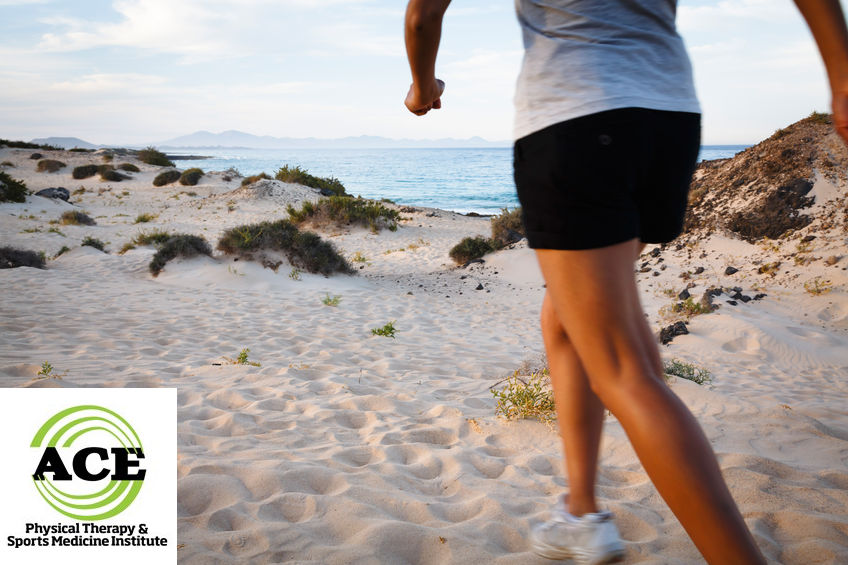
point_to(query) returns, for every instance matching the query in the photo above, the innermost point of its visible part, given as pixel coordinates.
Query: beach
(340, 446)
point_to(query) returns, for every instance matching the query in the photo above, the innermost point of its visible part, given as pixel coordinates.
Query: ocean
(462, 180)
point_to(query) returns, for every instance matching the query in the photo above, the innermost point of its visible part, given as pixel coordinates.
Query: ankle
(578, 507)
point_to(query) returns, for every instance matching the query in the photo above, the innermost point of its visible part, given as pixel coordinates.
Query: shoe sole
(549, 552)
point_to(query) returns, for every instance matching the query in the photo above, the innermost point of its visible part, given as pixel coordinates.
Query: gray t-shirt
(588, 56)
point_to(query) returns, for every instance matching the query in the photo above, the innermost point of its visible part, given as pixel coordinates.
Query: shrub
(507, 227)
(155, 238)
(697, 375)
(94, 242)
(180, 245)
(252, 179)
(129, 167)
(85, 171)
(49, 165)
(153, 156)
(818, 286)
(343, 210)
(191, 176)
(531, 398)
(12, 190)
(11, 258)
(820, 118)
(62, 251)
(7, 164)
(300, 176)
(144, 218)
(334, 300)
(76, 218)
(304, 250)
(386, 331)
(166, 177)
(80, 150)
(471, 248)
(27, 145)
(36, 156)
(108, 172)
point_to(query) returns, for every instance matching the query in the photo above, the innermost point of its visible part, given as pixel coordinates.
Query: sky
(140, 71)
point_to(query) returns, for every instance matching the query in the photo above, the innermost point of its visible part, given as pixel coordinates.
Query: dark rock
(731, 270)
(36, 156)
(645, 264)
(479, 286)
(326, 192)
(655, 252)
(808, 238)
(684, 294)
(668, 333)
(656, 273)
(463, 277)
(760, 296)
(698, 270)
(57, 192)
(473, 261)
(744, 298)
(707, 299)
(732, 302)
(736, 295)
(645, 270)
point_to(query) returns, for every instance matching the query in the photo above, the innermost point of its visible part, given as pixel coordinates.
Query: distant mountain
(65, 142)
(232, 138)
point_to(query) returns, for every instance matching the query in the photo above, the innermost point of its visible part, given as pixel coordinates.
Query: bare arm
(422, 33)
(827, 23)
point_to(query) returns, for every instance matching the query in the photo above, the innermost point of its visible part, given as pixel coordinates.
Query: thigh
(594, 295)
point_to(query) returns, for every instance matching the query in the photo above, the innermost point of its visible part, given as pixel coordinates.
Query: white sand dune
(345, 447)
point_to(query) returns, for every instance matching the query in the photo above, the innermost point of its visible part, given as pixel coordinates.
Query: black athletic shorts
(606, 178)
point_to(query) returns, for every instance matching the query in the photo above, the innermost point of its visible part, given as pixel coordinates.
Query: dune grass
(506, 228)
(153, 156)
(191, 176)
(178, 245)
(93, 242)
(304, 250)
(526, 397)
(252, 179)
(12, 190)
(49, 166)
(76, 218)
(344, 210)
(167, 177)
(297, 175)
(85, 171)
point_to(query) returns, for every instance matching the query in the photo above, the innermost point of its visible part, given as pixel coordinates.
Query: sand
(345, 447)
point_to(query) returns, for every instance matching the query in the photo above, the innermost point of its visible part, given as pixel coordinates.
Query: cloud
(105, 83)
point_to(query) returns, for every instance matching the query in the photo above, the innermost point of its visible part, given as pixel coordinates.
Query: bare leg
(580, 413)
(595, 298)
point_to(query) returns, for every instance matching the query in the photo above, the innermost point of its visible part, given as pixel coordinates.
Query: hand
(840, 112)
(419, 101)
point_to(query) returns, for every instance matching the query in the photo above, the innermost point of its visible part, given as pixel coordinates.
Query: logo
(91, 463)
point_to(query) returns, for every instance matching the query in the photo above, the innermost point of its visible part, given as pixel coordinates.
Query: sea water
(462, 180)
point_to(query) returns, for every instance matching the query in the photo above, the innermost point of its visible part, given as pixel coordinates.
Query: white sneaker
(591, 539)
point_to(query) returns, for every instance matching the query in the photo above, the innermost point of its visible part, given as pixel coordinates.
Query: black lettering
(80, 467)
(123, 464)
(51, 463)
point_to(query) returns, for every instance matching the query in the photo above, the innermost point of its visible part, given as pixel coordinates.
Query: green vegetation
(821, 118)
(334, 301)
(108, 172)
(46, 372)
(507, 228)
(76, 218)
(252, 179)
(153, 156)
(80, 150)
(49, 165)
(156, 238)
(294, 274)
(167, 177)
(243, 360)
(11, 257)
(93, 242)
(818, 286)
(304, 250)
(144, 218)
(12, 190)
(470, 248)
(358, 257)
(179, 245)
(386, 331)
(191, 176)
(85, 171)
(344, 210)
(690, 308)
(7, 164)
(769, 268)
(64, 249)
(688, 371)
(129, 167)
(25, 145)
(532, 398)
(300, 176)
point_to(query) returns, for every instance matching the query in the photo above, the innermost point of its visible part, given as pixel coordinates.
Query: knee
(551, 326)
(627, 381)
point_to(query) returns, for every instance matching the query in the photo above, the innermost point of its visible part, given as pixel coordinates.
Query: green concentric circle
(62, 431)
